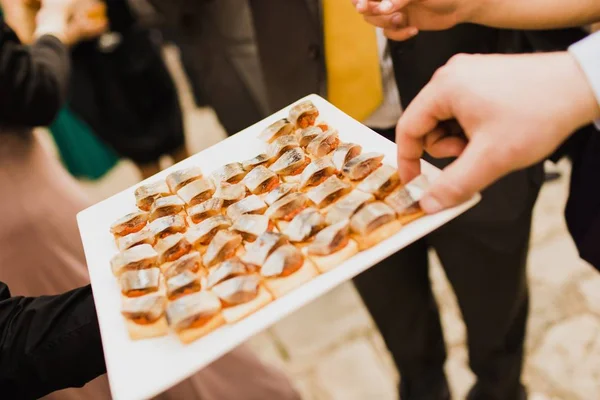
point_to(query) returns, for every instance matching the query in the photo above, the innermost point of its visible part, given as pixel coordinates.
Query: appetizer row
(194, 297)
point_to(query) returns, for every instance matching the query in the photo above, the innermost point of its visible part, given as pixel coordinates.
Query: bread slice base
(281, 286)
(378, 235)
(189, 335)
(406, 219)
(146, 331)
(241, 311)
(329, 262)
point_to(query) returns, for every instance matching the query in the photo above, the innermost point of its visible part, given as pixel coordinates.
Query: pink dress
(41, 253)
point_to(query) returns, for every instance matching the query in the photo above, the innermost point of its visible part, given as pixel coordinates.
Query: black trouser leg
(484, 255)
(491, 289)
(397, 293)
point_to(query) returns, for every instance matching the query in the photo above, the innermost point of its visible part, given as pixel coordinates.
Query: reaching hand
(71, 22)
(514, 111)
(401, 19)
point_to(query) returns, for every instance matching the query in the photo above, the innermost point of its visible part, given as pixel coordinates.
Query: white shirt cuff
(587, 54)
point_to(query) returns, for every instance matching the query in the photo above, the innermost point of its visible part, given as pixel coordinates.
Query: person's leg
(397, 293)
(484, 255)
(491, 289)
(222, 62)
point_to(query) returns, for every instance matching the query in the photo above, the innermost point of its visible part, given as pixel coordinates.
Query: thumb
(476, 168)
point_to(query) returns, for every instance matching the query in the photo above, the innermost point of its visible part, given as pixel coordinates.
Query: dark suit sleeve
(172, 12)
(48, 343)
(33, 79)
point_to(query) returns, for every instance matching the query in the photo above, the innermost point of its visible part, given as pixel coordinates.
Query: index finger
(420, 118)
(410, 150)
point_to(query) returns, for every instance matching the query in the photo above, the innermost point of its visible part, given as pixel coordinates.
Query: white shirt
(388, 113)
(587, 54)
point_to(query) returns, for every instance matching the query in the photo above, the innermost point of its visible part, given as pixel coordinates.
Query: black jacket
(48, 343)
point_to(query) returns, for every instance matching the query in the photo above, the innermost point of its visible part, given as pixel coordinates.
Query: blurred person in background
(40, 252)
(311, 46)
(122, 101)
(219, 55)
(121, 88)
(82, 152)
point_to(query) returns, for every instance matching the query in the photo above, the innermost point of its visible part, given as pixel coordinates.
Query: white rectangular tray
(142, 369)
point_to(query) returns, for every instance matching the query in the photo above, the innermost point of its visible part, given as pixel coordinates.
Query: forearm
(48, 343)
(534, 14)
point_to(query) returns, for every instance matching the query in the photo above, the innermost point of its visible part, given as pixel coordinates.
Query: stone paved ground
(332, 350)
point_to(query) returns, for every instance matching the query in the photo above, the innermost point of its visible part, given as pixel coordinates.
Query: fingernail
(398, 20)
(413, 31)
(430, 205)
(385, 6)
